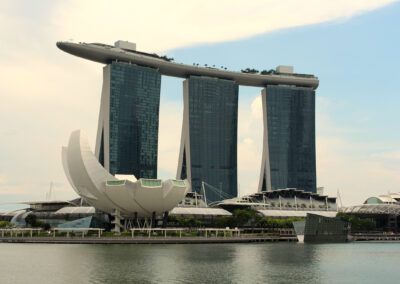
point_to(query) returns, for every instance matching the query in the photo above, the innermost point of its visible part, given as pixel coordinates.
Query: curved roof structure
(295, 213)
(76, 210)
(379, 209)
(199, 211)
(390, 198)
(108, 193)
(106, 54)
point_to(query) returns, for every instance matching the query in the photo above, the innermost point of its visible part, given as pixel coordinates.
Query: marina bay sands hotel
(127, 137)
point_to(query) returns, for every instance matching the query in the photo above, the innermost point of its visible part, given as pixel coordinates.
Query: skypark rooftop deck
(103, 53)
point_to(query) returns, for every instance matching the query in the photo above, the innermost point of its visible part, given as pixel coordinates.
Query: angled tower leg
(264, 183)
(288, 159)
(209, 136)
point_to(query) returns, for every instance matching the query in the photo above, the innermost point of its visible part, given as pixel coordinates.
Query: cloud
(256, 108)
(45, 94)
(347, 165)
(169, 137)
(387, 155)
(342, 165)
(164, 25)
(250, 133)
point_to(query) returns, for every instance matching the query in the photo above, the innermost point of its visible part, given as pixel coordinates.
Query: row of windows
(213, 107)
(291, 137)
(134, 113)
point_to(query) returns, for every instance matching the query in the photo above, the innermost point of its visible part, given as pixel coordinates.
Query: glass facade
(151, 182)
(133, 122)
(213, 116)
(291, 138)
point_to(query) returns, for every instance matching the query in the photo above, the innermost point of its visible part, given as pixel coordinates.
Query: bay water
(201, 263)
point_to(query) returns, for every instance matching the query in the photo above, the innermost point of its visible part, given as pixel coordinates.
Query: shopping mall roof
(197, 211)
(295, 213)
(47, 202)
(76, 210)
(373, 209)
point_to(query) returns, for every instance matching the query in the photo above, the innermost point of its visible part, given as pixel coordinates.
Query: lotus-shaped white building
(120, 195)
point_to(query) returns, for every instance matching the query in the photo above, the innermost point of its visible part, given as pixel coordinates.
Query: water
(202, 263)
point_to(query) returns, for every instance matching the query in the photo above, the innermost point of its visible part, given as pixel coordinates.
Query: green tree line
(357, 224)
(5, 224)
(32, 221)
(251, 218)
(239, 218)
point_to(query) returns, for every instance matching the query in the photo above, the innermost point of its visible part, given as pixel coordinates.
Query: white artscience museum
(121, 195)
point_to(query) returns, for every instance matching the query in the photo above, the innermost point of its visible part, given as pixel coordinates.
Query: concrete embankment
(146, 240)
(375, 237)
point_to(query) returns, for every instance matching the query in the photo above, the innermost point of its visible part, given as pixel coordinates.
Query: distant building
(383, 210)
(127, 136)
(283, 203)
(121, 178)
(390, 198)
(288, 159)
(208, 150)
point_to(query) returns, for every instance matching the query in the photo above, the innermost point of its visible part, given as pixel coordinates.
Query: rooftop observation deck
(106, 54)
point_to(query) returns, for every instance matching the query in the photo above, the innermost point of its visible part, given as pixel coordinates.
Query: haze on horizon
(350, 46)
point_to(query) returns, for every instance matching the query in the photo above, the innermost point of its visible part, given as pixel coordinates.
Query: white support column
(117, 221)
(265, 170)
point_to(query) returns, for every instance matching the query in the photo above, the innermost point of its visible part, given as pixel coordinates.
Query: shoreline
(146, 240)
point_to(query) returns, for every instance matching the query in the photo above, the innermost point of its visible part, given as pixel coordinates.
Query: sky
(351, 46)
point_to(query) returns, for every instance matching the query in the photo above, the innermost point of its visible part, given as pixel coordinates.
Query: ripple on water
(201, 263)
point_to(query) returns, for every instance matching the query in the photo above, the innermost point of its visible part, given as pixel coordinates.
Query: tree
(248, 70)
(46, 226)
(191, 222)
(222, 222)
(32, 221)
(166, 58)
(241, 217)
(5, 224)
(356, 223)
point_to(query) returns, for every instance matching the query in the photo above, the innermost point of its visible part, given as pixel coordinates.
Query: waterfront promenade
(144, 236)
(146, 240)
(160, 236)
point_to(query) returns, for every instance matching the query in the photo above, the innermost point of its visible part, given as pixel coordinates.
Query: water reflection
(206, 263)
(219, 263)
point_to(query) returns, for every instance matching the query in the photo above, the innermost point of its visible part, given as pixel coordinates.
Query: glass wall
(291, 137)
(213, 117)
(134, 113)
